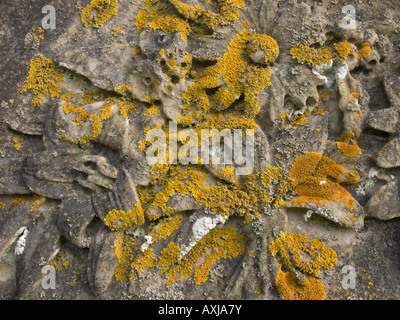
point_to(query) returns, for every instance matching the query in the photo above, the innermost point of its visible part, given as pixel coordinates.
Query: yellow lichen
(125, 106)
(117, 31)
(166, 227)
(245, 198)
(35, 202)
(189, 19)
(319, 111)
(313, 57)
(123, 89)
(219, 243)
(156, 17)
(227, 121)
(238, 74)
(228, 174)
(352, 177)
(299, 120)
(343, 49)
(152, 111)
(17, 201)
(143, 260)
(121, 220)
(17, 142)
(326, 54)
(275, 176)
(347, 145)
(297, 253)
(124, 251)
(97, 12)
(4, 207)
(136, 50)
(37, 33)
(59, 261)
(44, 78)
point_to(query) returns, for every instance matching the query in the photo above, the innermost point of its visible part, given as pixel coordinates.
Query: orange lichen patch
(347, 145)
(239, 76)
(121, 220)
(316, 180)
(313, 57)
(97, 12)
(364, 52)
(355, 95)
(44, 78)
(246, 24)
(219, 243)
(126, 106)
(296, 252)
(352, 177)
(359, 113)
(342, 50)
(291, 288)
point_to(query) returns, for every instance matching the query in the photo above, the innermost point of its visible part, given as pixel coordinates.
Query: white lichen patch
(331, 72)
(200, 228)
(21, 242)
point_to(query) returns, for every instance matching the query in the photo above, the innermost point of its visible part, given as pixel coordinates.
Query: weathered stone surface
(70, 166)
(384, 205)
